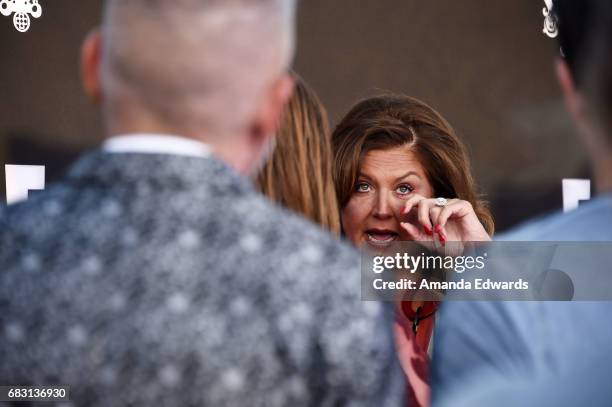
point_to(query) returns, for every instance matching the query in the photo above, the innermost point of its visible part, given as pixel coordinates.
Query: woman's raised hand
(449, 220)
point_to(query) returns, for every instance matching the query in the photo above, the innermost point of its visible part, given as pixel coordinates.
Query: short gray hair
(198, 64)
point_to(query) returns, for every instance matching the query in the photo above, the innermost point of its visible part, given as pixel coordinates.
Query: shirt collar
(145, 143)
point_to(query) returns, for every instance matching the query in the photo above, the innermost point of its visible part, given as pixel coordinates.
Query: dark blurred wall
(39, 76)
(486, 66)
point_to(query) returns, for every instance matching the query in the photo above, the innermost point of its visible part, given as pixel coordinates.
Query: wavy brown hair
(390, 121)
(298, 174)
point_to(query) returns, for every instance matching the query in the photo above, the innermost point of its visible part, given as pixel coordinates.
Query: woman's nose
(383, 207)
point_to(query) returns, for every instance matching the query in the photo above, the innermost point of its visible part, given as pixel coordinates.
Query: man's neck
(148, 143)
(599, 150)
(602, 171)
(232, 150)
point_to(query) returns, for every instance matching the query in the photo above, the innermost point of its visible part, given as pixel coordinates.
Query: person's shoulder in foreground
(533, 352)
(587, 223)
(587, 384)
(149, 279)
(520, 339)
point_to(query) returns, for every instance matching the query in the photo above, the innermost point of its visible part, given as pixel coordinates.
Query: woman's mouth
(380, 237)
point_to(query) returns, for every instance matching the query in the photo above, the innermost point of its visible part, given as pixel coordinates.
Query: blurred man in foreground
(155, 274)
(546, 353)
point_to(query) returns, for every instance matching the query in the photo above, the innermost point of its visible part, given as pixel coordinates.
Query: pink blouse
(412, 349)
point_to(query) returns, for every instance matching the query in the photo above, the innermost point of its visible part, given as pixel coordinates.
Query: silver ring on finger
(441, 202)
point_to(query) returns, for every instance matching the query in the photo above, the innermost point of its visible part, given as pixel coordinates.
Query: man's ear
(90, 65)
(270, 111)
(572, 98)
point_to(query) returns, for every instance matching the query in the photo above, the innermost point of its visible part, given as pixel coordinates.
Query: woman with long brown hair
(298, 173)
(402, 174)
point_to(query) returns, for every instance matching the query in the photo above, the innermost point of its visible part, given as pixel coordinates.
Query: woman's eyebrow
(409, 173)
(362, 174)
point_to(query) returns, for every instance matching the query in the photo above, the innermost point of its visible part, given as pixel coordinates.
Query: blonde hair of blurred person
(216, 73)
(298, 174)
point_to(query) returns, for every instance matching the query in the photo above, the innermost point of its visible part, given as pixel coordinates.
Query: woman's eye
(404, 189)
(362, 187)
